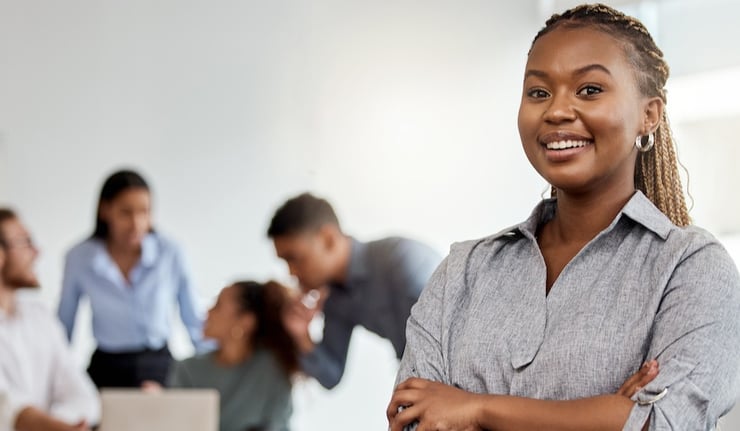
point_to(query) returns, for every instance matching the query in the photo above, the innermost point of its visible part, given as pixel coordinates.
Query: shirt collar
(149, 253)
(643, 211)
(639, 209)
(149, 250)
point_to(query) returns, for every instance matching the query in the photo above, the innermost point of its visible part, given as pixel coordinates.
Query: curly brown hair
(267, 301)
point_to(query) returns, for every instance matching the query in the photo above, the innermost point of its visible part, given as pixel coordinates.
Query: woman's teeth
(562, 145)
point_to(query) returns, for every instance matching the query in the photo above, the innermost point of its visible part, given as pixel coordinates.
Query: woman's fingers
(402, 418)
(402, 409)
(642, 377)
(402, 398)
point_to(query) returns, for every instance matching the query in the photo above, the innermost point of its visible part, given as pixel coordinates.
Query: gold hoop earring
(644, 148)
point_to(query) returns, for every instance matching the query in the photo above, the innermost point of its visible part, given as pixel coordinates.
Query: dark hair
(113, 186)
(267, 301)
(5, 215)
(656, 171)
(302, 213)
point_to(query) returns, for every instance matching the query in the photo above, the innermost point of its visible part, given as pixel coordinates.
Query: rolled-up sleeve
(695, 339)
(326, 362)
(423, 354)
(11, 404)
(73, 395)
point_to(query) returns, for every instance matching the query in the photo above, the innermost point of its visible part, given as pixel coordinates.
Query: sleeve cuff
(9, 410)
(670, 395)
(638, 416)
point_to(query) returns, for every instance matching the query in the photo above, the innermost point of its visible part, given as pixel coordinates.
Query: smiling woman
(545, 325)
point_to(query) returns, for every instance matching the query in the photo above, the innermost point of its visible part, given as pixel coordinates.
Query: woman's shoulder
(197, 361)
(265, 363)
(164, 245)
(195, 365)
(524, 230)
(85, 249)
(480, 247)
(693, 235)
(162, 240)
(698, 243)
(265, 359)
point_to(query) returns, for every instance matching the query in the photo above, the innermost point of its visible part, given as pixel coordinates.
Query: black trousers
(129, 369)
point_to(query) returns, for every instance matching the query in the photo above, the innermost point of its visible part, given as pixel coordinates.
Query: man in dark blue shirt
(372, 284)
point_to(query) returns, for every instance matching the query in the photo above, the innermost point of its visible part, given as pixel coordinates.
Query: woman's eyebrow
(580, 71)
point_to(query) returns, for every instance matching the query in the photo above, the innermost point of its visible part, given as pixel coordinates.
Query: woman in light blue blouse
(133, 277)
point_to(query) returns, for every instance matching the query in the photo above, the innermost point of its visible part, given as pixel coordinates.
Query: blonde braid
(656, 171)
(657, 176)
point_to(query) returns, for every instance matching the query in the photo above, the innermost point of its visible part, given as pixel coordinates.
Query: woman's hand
(33, 419)
(642, 377)
(434, 405)
(439, 407)
(151, 387)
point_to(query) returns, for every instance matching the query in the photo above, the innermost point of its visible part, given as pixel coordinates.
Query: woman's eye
(537, 93)
(589, 90)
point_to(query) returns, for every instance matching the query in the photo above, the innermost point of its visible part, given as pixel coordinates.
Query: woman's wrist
(486, 410)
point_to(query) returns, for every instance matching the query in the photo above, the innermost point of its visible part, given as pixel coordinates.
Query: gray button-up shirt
(384, 279)
(642, 288)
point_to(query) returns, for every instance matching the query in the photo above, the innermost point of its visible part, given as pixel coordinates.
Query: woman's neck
(579, 218)
(234, 352)
(123, 251)
(124, 257)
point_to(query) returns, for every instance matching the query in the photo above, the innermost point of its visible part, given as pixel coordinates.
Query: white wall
(403, 114)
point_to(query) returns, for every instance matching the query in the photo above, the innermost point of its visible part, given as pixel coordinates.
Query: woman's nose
(560, 110)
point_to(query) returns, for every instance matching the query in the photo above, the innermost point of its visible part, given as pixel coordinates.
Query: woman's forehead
(573, 48)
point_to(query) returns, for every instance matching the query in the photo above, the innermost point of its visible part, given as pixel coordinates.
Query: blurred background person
(40, 385)
(133, 277)
(371, 284)
(254, 362)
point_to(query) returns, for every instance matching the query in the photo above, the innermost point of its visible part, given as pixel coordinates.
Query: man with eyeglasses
(41, 388)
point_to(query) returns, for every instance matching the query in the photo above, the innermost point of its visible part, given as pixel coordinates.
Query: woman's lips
(565, 150)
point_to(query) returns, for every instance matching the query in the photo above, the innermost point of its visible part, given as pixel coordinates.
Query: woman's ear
(104, 211)
(653, 115)
(248, 322)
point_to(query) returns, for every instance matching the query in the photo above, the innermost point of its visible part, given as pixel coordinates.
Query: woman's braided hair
(656, 172)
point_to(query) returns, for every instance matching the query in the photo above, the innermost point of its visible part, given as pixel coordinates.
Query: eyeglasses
(23, 242)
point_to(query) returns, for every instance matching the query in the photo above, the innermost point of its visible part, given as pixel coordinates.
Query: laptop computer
(169, 409)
